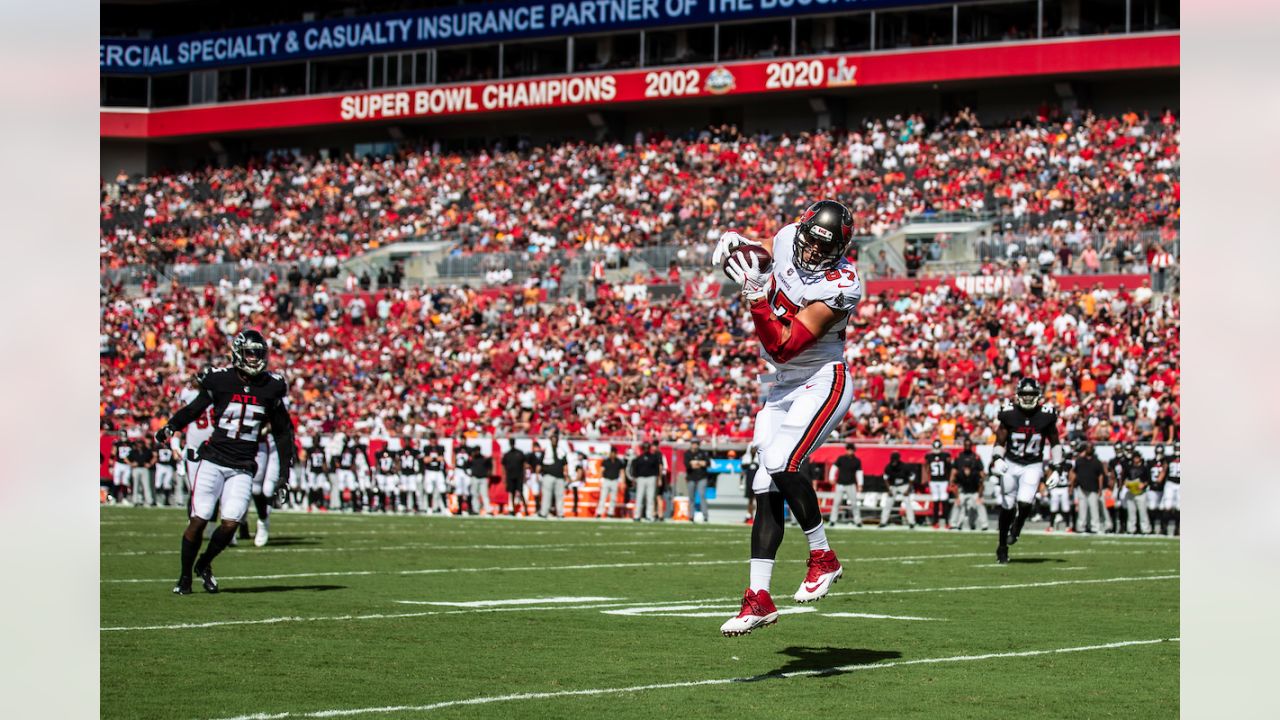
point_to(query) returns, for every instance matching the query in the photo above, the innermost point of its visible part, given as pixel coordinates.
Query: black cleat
(1013, 536)
(207, 579)
(183, 587)
(1002, 555)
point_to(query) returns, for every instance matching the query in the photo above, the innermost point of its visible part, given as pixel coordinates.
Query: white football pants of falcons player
(802, 407)
(213, 482)
(1019, 484)
(1172, 498)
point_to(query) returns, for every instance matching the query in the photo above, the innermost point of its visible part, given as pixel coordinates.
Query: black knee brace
(767, 529)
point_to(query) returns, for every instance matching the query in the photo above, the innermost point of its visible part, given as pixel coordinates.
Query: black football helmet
(823, 235)
(249, 352)
(1028, 394)
(937, 444)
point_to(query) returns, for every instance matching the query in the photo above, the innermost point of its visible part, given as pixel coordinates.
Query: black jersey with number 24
(241, 405)
(1028, 432)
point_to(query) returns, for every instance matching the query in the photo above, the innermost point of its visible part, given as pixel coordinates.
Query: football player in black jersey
(121, 471)
(243, 397)
(1171, 503)
(1059, 488)
(386, 463)
(434, 482)
(350, 463)
(318, 476)
(937, 473)
(1026, 427)
(1155, 488)
(1119, 467)
(750, 466)
(410, 477)
(166, 465)
(970, 475)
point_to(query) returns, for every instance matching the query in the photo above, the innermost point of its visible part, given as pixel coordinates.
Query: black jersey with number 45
(241, 405)
(1029, 432)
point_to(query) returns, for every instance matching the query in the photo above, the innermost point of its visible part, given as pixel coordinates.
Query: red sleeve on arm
(781, 345)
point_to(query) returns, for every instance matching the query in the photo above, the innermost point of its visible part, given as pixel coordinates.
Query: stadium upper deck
(292, 76)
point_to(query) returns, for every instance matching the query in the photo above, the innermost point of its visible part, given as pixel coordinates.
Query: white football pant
(212, 483)
(801, 410)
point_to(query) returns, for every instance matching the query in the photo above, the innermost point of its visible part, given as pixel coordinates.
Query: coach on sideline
(558, 462)
(645, 469)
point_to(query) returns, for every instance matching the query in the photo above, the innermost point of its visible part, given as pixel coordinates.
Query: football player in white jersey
(195, 434)
(265, 485)
(800, 305)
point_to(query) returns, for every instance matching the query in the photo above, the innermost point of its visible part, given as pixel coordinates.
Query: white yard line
(566, 600)
(873, 616)
(1012, 586)
(394, 616)
(730, 612)
(487, 700)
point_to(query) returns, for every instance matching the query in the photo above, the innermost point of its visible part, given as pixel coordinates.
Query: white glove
(745, 270)
(998, 466)
(729, 241)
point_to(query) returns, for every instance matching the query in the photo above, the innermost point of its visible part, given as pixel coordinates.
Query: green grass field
(335, 618)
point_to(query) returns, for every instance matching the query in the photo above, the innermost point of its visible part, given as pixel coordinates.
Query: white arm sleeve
(1055, 454)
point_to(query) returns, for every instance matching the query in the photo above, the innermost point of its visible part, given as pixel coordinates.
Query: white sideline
(594, 566)
(394, 616)
(693, 683)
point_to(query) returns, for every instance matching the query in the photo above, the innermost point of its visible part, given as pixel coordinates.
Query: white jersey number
(241, 420)
(1025, 444)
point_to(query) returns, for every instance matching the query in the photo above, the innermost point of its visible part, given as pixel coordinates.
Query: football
(766, 260)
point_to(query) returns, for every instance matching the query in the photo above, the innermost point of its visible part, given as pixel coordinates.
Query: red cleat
(824, 571)
(758, 610)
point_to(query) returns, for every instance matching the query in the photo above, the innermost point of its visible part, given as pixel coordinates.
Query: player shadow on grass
(1035, 560)
(300, 540)
(826, 661)
(282, 588)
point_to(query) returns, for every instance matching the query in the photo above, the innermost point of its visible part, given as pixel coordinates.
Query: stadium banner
(439, 27)
(1004, 284)
(840, 73)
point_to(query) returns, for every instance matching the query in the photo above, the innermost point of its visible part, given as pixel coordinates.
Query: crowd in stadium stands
(1061, 184)
(924, 364)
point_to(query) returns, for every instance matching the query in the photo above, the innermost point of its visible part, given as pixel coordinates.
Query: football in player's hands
(765, 259)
